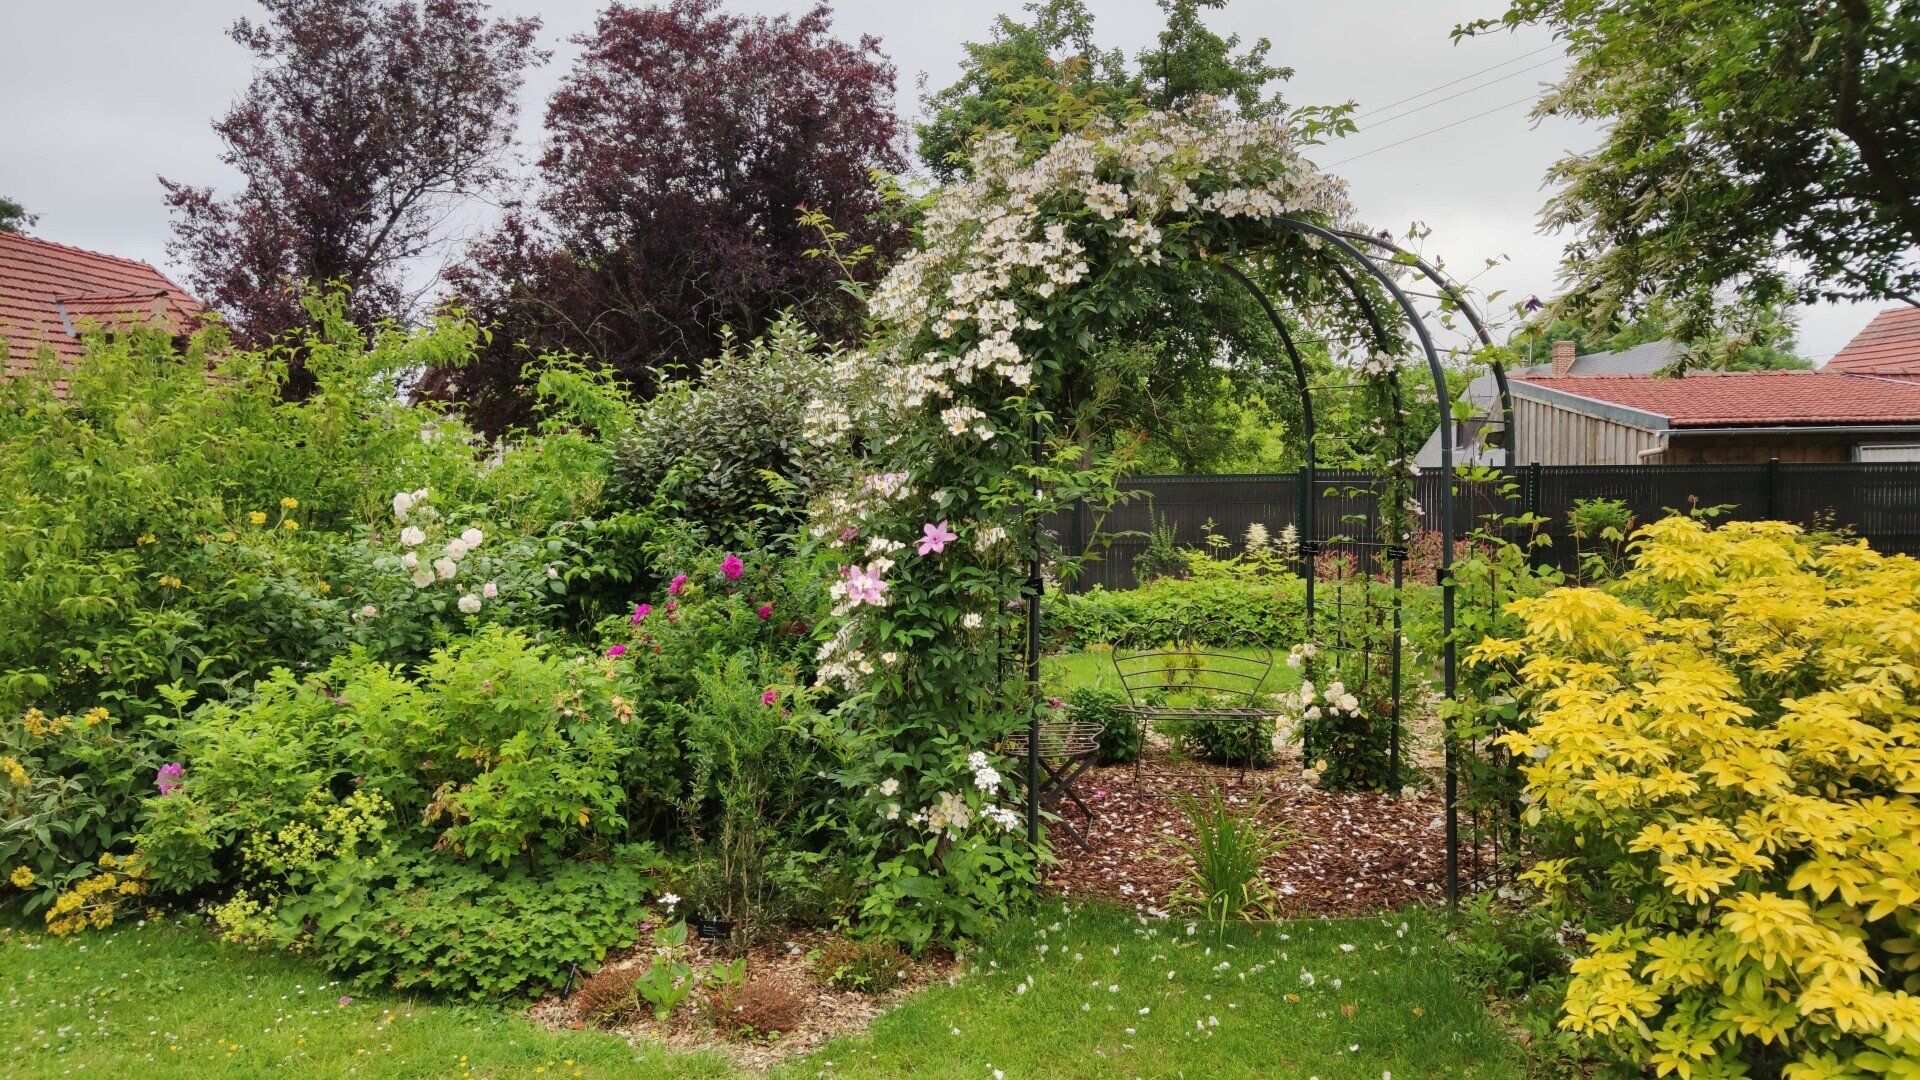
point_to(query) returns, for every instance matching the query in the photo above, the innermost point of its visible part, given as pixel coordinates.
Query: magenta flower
(935, 538)
(769, 697)
(765, 611)
(641, 611)
(346, 1000)
(616, 650)
(678, 585)
(731, 568)
(167, 777)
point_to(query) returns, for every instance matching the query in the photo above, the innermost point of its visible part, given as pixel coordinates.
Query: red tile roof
(1754, 398)
(1890, 345)
(50, 291)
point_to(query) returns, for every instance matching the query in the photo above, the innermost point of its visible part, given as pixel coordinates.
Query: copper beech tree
(365, 123)
(682, 149)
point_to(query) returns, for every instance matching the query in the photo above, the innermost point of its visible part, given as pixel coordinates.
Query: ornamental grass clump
(1722, 763)
(1229, 847)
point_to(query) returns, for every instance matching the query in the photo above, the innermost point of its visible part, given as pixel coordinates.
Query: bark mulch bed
(1353, 853)
(826, 1014)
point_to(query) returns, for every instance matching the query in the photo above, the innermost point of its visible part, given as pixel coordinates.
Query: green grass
(1064, 671)
(1109, 995)
(168, 1000)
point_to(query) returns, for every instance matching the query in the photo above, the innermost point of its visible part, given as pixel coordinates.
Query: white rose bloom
(445, 567)
(412, 536)
(410, 561)
(422, 578)
(368, 611)
(470, 603)
(402, 503)
(987, 779)
(472, 538)
(489, 590)
(456, 549)
(971, 620)
(553, 571)
(889, 786)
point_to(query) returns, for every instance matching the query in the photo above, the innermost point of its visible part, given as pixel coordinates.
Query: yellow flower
(324, 588)
(168, 581)
(258, 517)
(290, 525)
(22, 878)
(146, 539)
(289, 503)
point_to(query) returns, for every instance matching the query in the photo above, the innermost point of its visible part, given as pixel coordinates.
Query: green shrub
(865, 967)
(1229, 610)
(728, 453)
(1124, 734)
(70, 787)
(420, 920)
(1234, 741)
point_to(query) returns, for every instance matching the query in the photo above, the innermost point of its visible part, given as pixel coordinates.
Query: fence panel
(1879, 502)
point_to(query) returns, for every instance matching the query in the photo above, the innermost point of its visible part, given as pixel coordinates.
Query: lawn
(1069, 992)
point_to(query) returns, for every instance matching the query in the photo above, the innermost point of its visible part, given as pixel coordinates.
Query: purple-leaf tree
(682, 149)
(366, 124)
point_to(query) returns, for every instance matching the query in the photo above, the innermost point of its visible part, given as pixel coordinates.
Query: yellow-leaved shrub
(1723, 762)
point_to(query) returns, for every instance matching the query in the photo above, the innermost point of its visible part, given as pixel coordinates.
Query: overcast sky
(99, 97)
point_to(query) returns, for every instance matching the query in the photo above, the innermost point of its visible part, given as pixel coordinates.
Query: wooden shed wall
(1556, 436)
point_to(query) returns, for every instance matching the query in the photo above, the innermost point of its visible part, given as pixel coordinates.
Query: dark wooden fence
(1878, 502)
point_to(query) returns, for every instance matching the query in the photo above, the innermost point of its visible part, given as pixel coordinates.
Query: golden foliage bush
(1723, 757)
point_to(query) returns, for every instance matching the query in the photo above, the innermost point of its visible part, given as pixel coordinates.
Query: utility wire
(1431, 131)
(1461, 79)
(1463, 93)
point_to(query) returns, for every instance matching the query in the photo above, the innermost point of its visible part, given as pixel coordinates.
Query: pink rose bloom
(167, 777)
(617, 650)
(641, 611)
(935, 538)
(765, 611)
(769, 697)
(731, 568)
(678, 585)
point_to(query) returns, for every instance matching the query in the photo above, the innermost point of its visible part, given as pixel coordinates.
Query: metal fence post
(1533, 508)
(1773, 489)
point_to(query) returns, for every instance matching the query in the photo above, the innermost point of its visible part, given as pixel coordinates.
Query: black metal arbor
(1353, 559)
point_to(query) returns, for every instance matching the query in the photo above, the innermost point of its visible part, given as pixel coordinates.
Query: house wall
(1724, 449)
(1555, 436)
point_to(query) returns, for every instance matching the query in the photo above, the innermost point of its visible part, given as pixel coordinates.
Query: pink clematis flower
(641, 611)
(731, 568)
(678, 585)
(864, 586)
(765, 611)
(935, 538)
(616, 650)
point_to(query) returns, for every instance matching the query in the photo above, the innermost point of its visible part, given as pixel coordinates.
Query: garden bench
(1233, 679)
(1067, 748)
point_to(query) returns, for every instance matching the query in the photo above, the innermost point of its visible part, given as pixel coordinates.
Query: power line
(1461, 79)
(1463, 93)
(1431, 131)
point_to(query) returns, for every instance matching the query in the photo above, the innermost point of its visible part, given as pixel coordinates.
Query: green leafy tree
(1769, 148)
(1736, 337)
(1046, 76)
(14, 217)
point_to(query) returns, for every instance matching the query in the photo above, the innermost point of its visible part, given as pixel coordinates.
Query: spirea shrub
(1723, 764)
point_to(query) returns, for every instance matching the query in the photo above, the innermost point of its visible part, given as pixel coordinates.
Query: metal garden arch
(1346, 257)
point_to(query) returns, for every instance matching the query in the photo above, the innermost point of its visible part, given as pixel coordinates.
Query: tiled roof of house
(49, 292)
(1751, 398)
(1890, 345)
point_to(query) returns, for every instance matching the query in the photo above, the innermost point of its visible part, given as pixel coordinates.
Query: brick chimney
(1563, 353)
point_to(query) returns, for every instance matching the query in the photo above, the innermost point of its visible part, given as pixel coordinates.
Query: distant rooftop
(1890, 345)
(50, 292)
(1747, 398)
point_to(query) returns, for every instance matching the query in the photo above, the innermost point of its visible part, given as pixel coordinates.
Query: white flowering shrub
(1021, 270)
